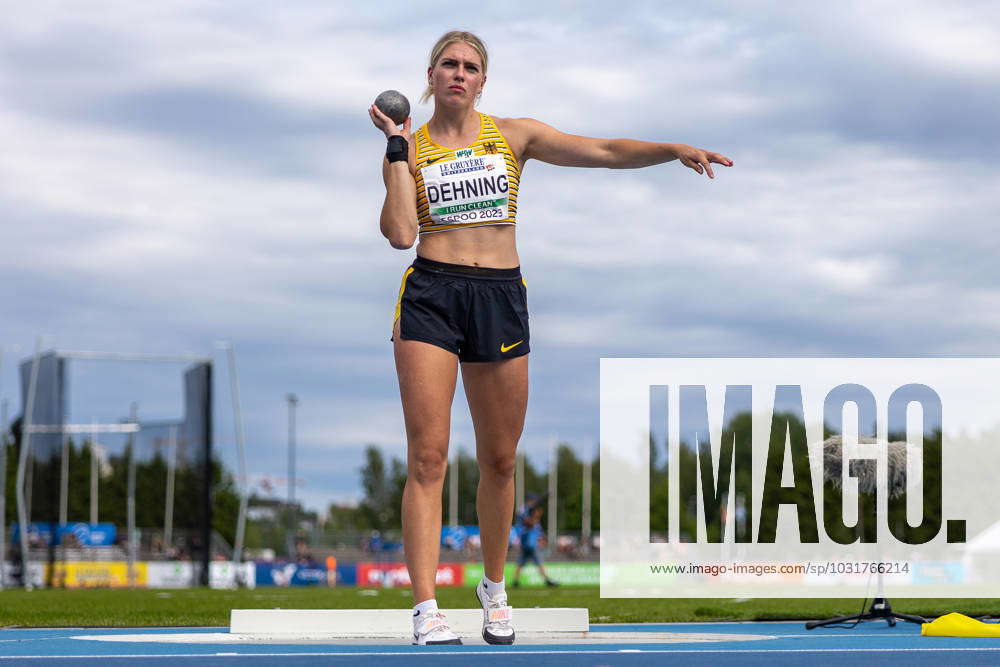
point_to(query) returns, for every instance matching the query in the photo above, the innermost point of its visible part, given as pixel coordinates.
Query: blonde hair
(446, 40)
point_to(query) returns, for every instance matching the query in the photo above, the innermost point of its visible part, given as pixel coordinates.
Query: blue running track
(787, 644)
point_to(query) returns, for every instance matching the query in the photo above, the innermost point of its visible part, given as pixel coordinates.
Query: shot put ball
(394, 105)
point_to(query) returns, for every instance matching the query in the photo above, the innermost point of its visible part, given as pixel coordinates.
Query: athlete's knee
(427, 466)
(498, 466)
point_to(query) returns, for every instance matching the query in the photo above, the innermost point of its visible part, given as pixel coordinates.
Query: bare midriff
(492, 247)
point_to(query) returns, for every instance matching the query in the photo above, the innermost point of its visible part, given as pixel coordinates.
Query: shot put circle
(394, 105)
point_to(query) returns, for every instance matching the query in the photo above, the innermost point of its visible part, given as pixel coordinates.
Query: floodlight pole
(241, 519)
(132, 550)
(94, 474)
(64, 482)
(553, 472)
(29, 486)
(586, 519)
(519, 483)
(453, 491)
(208, 467)
(293, 400)
(168, 514)
(22, 509)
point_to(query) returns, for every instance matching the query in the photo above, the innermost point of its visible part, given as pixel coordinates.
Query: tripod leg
(912, 618)
(831, 621)
(880, 609)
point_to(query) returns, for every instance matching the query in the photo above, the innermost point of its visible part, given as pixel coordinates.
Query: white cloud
(956, 39)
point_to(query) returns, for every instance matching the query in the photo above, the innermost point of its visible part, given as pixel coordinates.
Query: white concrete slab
(391, 623)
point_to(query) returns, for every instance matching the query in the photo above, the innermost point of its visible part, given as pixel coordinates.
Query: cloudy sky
(179, 173)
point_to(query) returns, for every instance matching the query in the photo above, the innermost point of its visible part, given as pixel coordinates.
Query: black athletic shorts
(478, 313)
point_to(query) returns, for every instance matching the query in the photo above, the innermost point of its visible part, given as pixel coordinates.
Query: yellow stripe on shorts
(399, 299)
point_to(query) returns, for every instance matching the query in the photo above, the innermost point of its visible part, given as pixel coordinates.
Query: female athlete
(453, 185)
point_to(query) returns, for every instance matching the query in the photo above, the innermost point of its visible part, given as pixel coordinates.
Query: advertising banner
(390, 575)
(289, 574)
(97, 574)
(170, 574)
(86, 534)
(36, 575)
(69, 534)
(347, 574)
(565, 574)
(223, 574)
(161, 574)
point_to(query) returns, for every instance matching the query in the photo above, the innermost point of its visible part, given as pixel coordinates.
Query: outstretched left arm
(544, 142)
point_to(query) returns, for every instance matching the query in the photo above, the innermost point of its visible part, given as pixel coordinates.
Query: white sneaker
(431, 628)
(496, 617)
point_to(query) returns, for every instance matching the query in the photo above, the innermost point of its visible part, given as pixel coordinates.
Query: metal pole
(208, 468)
(168, 514)
(29, 484)
(553, 467)
(242, 457)
(127, 356)
(22, 509)
(94, 474)
(290, 539)
(134, 417)
(453, 491)
(3, 475)
(64, 482)
(585, 528)
(3, 487)
(519, 483)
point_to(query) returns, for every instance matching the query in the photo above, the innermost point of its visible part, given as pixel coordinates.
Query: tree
(468, 485)
(150, 491)
(383, 489)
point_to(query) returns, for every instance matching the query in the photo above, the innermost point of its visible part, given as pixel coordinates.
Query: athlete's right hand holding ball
(384, 123)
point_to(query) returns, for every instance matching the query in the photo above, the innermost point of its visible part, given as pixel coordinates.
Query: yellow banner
(97, 574)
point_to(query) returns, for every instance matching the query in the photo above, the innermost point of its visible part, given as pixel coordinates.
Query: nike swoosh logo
(504, 348)
(430, 161)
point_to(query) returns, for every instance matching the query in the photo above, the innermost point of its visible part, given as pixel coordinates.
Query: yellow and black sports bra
(473, 186)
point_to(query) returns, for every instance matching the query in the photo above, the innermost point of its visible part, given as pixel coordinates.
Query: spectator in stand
(529, 534)
(156, 547)
(373, 543)
(302, 554)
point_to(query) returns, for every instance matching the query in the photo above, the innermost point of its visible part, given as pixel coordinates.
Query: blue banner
(87, 534)
(69, 534)
(290, 574)
(347, 574)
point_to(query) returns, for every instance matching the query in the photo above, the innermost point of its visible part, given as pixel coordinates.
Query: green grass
(123, 608)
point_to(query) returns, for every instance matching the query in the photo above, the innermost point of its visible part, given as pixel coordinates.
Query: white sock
(423, 607)
(493, 587)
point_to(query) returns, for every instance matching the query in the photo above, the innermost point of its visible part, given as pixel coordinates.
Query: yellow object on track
(959, 625)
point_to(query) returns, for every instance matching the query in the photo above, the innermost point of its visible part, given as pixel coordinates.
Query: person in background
(530, 535)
